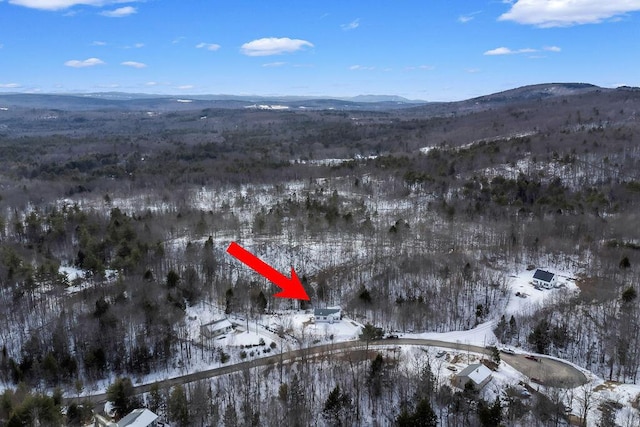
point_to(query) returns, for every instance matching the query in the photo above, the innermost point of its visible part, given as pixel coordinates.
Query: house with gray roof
(544, 279)
(328, 315)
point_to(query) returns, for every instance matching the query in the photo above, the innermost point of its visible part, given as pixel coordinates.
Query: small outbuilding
(328, 315)
(544, 279)
(477, 373)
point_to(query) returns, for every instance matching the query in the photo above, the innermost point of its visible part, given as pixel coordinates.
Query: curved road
(546, 371)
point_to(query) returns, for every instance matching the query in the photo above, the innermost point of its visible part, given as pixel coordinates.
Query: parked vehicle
(507, 350)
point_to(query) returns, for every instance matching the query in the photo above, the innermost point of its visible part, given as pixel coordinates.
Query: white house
(216, 328)
(330, 315)
(544, 279)
(477, 373)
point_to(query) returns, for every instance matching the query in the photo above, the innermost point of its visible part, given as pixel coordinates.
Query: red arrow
(291, 287)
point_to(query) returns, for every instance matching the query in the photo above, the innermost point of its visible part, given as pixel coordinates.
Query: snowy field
(524, 297)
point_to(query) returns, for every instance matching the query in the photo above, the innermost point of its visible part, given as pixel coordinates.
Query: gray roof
(543, 275)
(466, 371)
(138, 418)
(325, 311)
(477, 372)
(218, 324)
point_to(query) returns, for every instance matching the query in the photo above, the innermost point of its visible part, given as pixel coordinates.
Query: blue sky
(435, 50)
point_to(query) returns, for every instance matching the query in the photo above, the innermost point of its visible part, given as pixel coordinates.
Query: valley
(425, 223)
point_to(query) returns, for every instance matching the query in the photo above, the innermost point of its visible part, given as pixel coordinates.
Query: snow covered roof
(476, 372)
(138, 418)
(543, 275)
(216, 325)
(325, 311)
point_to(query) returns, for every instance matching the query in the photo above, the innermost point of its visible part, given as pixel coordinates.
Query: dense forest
(410, 219)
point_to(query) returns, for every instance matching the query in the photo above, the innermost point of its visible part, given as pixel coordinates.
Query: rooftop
(476, 372)
(218, 324)
(543, 275)
(326, 311)
(138, 418)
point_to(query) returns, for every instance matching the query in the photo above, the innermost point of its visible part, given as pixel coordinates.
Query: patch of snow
(267, 107)
(72, 273)
(332, 162)
(482, 335)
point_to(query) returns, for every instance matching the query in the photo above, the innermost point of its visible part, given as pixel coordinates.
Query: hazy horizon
(435, 51)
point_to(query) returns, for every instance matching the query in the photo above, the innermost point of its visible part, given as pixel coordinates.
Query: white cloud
(472, 70)
(64, 4)
(120, 12)
(274, 64)
(208, 46)
(552, 48)
(151, 84)
(9, 85)
(90, 62)
(421, 67)
(184, 87)
(463, 19)
(499, 51)
(361, 67)
(98, 43)
(178, 40)
(351, 25)
(133, 64)
(507, 51)
(565, 13)
(273, 46)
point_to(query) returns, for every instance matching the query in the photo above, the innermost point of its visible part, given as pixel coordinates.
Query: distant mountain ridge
(115, 101)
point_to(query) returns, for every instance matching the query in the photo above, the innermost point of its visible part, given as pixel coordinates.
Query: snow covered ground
(524, 297)
(482, 335)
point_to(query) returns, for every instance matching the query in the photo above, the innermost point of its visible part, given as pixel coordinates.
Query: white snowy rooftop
(138, 418)
(476, 373)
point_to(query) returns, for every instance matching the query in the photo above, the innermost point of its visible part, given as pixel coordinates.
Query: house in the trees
(216, 328)
(477, 373)
(136, 418)
(327, 315)
(544, 279)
